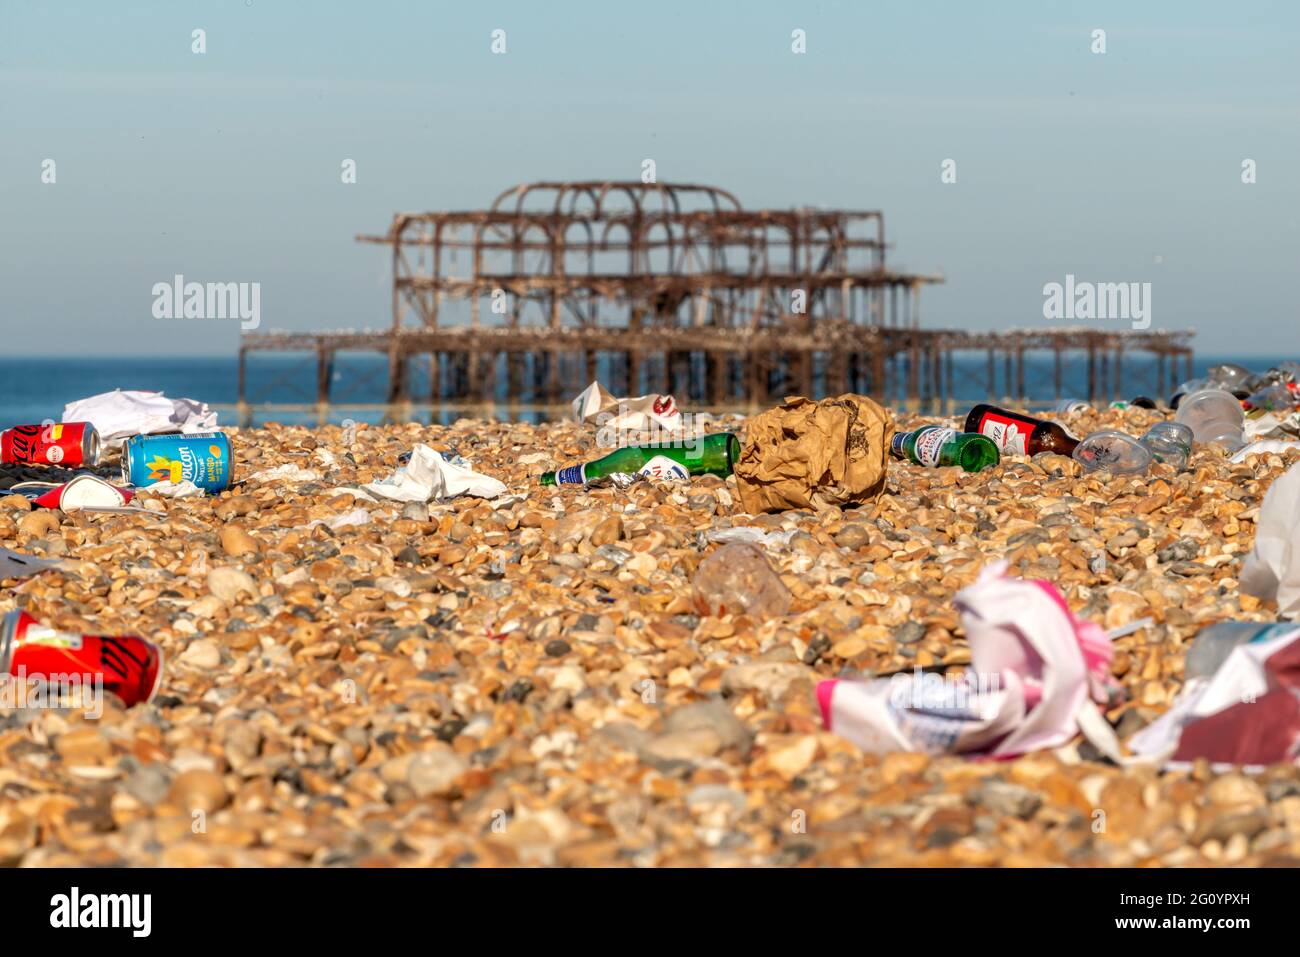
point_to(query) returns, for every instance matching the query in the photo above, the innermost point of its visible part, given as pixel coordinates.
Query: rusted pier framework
(675, 288)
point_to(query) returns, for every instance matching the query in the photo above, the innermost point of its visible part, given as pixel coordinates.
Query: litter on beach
(120, 414)
(428, 477)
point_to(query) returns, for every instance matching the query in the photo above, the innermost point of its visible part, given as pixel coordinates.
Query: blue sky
(225, 166)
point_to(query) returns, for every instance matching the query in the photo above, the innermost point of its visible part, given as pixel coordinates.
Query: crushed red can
(128, 666)
(52, 443)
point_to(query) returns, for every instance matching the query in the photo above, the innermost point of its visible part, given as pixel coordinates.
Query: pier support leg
(324, 375)
(490, 384)
(242, 409)
(715, 376)
(552, 377)
(514, 377)
(755, 382)
(634, 372)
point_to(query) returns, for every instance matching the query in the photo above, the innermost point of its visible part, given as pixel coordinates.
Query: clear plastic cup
(1176, 431)
(1229, 376)
(1213, 416)
(1113, 452)
(1169, 442)
(1193, 385)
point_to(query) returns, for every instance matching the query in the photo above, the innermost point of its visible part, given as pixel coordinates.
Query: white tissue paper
(168, 489)
(289, 473)
(429, 476)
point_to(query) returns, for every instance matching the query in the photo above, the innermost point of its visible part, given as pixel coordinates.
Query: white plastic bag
(1271, 572)
(119, 414)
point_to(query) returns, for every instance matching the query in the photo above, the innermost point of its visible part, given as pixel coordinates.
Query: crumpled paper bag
(429, 476)
(806, 454)
(1272, 570)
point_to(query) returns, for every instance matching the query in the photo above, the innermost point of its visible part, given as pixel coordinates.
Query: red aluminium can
(128, 666)
(61, 443)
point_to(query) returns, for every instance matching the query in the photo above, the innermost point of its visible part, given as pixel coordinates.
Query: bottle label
(896, 444)
(1010, 435)
(570, 476)
(662, 467)
(929, 443)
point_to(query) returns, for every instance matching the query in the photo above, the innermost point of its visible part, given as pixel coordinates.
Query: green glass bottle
(934, 446)
(703, 455)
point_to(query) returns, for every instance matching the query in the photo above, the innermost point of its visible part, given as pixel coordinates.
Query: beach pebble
(236, 542)
(198, 790)
(202, 653)
(228, 584)
(434, 772)
(585, 677)
(39, 524)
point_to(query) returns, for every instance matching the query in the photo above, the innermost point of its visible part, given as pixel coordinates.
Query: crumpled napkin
(429, 476)
(288, 472)
(169, 489)
(120, 414)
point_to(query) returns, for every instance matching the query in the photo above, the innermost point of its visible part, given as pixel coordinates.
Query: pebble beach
(531, 681)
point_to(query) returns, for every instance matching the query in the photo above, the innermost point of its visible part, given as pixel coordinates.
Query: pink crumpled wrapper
(1035, 667)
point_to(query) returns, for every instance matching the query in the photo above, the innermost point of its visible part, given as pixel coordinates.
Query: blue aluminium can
(200, 457)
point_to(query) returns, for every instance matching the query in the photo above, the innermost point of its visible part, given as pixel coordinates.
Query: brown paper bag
(806, 454)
